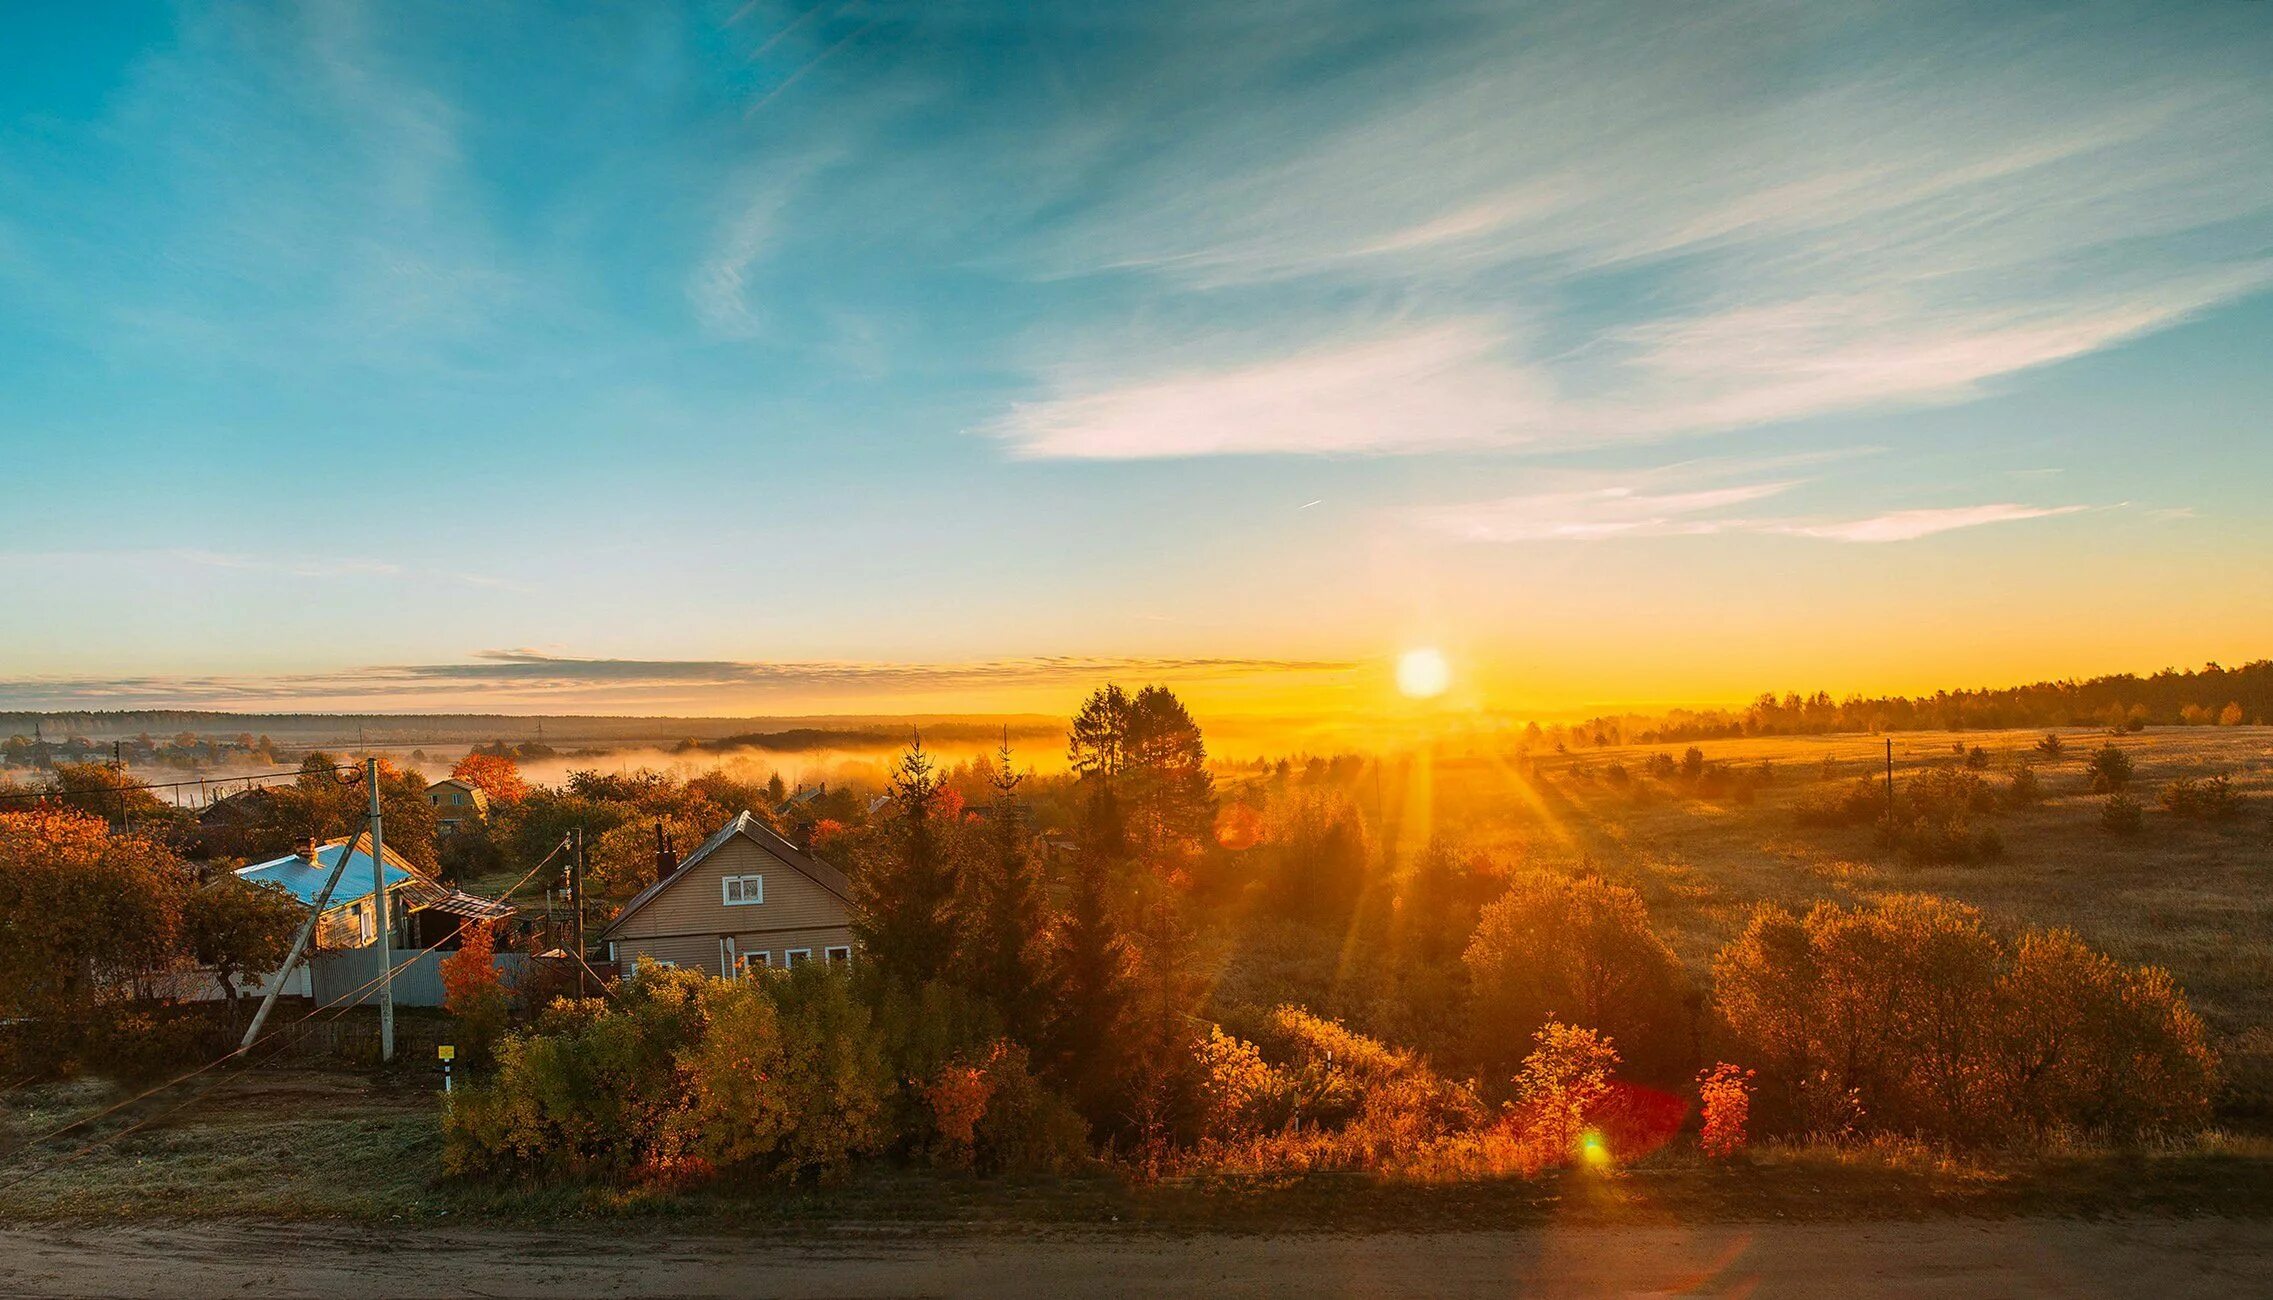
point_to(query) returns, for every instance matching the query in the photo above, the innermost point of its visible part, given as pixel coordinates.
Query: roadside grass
(306, 1147)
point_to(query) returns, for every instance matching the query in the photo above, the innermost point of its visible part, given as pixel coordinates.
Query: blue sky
(781, 357)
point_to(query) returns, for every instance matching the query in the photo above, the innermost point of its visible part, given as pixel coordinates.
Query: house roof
(757, 832)
(244, 805)
(803, 795)
(306, 879)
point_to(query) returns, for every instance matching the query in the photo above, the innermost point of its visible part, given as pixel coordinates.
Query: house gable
(797, 892)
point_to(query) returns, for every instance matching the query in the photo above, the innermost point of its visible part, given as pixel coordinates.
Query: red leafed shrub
(473, 993)
(1726, 1093)
(958, 1097)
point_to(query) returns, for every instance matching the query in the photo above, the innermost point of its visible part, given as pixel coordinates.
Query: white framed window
(750, 963)
(742, 891)
(796, 956)
(836, 955)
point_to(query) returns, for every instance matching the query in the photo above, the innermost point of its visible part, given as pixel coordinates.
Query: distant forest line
(557, 729)
(2211, 695)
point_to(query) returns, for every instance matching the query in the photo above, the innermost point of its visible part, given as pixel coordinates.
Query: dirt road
(2167, 1258)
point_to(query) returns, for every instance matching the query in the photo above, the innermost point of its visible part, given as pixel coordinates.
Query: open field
(2192, 895)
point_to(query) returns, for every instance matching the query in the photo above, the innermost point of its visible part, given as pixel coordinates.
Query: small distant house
(800, 798)
(232, 824)
(746, 900)
(456, 801)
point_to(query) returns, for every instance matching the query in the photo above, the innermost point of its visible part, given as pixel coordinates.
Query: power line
(248, 778)
(290, 1036)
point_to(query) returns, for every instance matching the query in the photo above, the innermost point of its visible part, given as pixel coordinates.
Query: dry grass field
(2189, 894)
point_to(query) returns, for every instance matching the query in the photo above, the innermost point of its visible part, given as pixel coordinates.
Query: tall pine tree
(1007, 935)
(904, 893)
(1091, 960)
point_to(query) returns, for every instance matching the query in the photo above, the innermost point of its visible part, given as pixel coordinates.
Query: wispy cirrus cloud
(1594, 514)
(523, 678)
(1910, 525)
(1674, 502)
(1440, 387)
(1589, 235)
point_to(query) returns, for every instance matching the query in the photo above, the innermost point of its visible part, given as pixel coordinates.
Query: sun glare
(1423, 674)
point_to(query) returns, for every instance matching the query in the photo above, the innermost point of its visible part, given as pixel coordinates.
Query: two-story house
(747, 899)
(456, 801)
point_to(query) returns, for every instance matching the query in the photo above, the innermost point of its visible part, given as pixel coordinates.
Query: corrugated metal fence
(352, 978)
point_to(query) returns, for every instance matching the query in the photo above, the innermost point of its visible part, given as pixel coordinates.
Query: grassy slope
(305, 1146)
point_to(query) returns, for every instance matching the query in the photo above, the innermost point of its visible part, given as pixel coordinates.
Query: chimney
(304, 849)
(666, 855)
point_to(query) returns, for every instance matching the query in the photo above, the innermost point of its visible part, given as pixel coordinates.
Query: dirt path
(2169, 1258)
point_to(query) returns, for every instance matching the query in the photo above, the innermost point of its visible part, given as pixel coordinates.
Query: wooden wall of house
(684, 923)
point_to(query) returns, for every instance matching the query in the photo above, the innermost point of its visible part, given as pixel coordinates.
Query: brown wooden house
(746, 900)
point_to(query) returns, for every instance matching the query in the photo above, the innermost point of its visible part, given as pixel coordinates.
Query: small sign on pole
(448, 1054)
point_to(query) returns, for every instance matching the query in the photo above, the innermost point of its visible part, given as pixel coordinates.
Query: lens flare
(1423, 674)
(1593, 1151)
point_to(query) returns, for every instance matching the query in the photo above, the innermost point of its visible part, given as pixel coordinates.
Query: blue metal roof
(306, 879)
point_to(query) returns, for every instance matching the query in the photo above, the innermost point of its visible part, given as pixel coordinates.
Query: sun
(1423, 674)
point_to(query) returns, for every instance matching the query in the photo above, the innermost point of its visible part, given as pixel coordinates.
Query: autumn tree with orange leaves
(494, 775)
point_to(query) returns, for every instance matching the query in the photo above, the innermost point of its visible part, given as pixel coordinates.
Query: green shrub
(1909, 1017)
(2210, 797)
(2109, 770)
(1026, 1128)
(2121, 815)
(795, 1075)
(588, 1092)
(1581, 951)
(1935, 819)
(1857, 803)
(2023, 789)
(834, 1076)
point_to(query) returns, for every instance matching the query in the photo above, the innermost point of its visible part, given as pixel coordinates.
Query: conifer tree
(1009, 928)
(1092, 978)
(904, 892)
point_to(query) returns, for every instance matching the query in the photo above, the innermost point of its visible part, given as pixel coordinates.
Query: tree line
(2211, 695)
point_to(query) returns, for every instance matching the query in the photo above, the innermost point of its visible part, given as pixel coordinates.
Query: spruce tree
(904, 893)
(1009, 925)
(1092, 963)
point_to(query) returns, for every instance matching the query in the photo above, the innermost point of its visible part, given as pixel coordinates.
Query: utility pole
(576, 907)
(1890, 785)
(299, 945)
(386, 940)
